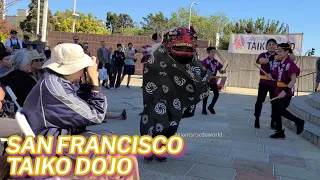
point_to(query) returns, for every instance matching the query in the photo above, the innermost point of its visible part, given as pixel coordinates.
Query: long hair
(20, 60)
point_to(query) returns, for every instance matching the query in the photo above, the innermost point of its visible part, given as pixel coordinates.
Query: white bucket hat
(68, 58)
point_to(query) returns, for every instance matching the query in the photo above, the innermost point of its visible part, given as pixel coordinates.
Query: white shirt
(14, 41)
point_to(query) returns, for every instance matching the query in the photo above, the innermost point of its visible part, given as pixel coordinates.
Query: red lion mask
(181, 42)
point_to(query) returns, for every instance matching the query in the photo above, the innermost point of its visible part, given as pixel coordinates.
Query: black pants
(116, 76)
(281, 106)
(107, 66)
(262, 94)
(215, 89)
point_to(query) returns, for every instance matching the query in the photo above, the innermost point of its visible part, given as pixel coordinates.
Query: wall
(242, 73)
(111, 41)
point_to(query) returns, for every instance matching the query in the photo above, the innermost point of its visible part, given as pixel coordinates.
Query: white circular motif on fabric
(165, 89)
(151, 87)
(162, 64)
(179, 81)
(197, 71)
(191, 108)
(191, 74)
(189, 88)
(160, 108)
(174, 65)
(144, 119)
(188, 66)
(150, 131)
(191, 98)
(204, 95)
(159, 127)
(151, 59)
(173, 123)
(161, 50)
(177, 104)
(162, 73)
(184, 109)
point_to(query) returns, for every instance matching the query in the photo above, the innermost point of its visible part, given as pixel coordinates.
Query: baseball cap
(68, 58)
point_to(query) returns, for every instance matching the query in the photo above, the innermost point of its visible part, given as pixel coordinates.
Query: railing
(313, 78)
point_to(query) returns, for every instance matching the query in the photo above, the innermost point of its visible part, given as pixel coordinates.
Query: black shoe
(300, 126)
(148, 158)
(278, 135)
(204, 112)
(107, 87)
(161, 159)
(210, 108)
(128, 86)
(257, 123)
(124, 115)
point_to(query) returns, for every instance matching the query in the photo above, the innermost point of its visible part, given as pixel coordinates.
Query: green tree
(29, 25)
(5, 29)
(86, 23)
(117, 23)
(155, 23)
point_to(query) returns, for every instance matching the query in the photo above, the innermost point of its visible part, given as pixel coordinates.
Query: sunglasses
(38, 60)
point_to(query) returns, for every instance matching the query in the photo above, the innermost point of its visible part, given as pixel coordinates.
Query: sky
(301, 16)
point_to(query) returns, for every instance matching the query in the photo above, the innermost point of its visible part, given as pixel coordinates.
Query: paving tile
(275, 142)
(209, 159)
(259, 167)
(171, 166)
(222, 151)
(249, 155)
(309, 155)
(211, 172)
(295, 172)
(236, 131)
(244, 175)
(156, 175)
(191, 146)
(243, 127)
(209, 142)
(287, 160)
(251, 139)
(304, 145)
(197, 178)
(289, 178)
(247, 146)
(313, 164)
(187, 156)
(280, 150)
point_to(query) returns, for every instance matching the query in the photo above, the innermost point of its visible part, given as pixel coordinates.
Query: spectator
(104, 58)
(119, 58)
(111, 68)
(318, 76)
(129, 67)
(40, 46)
(13, 44)
(61, 111)
(36, 65)
(85, 49)
(5, 62)
(76, 40)
(19, 79)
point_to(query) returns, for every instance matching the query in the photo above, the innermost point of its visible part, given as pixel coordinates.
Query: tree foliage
(29, 25)
(117, 23)
(5, 29)
(155, 23)
(86, 23)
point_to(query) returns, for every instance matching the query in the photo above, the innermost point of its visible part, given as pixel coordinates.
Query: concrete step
(314, 100)
(303, 110)
(311, 132)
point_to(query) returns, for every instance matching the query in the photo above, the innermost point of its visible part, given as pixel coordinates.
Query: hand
(282, 94)
(93, 73)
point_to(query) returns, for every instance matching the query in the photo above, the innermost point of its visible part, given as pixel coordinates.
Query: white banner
(256, 43)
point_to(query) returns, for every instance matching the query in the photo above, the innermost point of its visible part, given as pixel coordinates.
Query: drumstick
(263, 71)
(270, 100)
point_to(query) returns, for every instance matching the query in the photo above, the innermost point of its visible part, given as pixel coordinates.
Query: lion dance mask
(172, 83)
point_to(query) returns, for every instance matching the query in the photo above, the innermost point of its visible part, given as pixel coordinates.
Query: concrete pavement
(230, 148)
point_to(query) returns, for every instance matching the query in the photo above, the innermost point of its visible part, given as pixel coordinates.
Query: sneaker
(257, 123)
(300, 126)
(210, 108)
(204, 112)
(107, 87)
(278, 135)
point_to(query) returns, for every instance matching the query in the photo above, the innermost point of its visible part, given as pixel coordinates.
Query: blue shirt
(129, 52)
